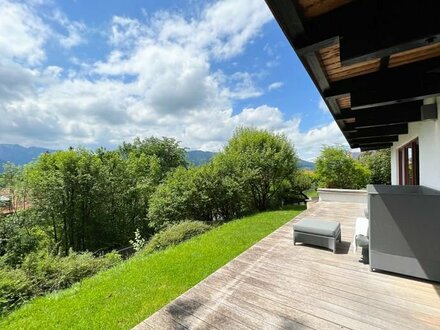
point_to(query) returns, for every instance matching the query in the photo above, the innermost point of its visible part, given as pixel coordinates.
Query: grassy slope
(125, 295)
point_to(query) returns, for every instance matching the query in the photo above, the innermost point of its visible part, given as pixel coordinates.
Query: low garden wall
(342, 195)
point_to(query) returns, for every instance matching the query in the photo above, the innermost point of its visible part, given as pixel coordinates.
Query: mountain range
(20, 155)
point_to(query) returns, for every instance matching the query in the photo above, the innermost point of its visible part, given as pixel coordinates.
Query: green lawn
(126, 294)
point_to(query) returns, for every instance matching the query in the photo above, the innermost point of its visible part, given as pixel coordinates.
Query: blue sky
(95, 73)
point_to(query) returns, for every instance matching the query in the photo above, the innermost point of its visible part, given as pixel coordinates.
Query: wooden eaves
(373, 61)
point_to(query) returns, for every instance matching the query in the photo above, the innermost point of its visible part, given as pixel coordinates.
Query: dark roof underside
(373, 61)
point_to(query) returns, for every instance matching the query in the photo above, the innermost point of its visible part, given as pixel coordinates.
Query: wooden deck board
(276, 285)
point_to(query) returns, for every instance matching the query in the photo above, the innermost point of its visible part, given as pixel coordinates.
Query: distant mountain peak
(199, 157)
(306, 164)
(18, 154)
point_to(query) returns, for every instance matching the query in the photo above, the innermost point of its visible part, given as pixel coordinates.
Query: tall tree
(97, 200)
(263, 161)
(167, 150)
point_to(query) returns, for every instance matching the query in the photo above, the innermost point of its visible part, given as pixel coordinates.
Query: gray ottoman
(317, 232)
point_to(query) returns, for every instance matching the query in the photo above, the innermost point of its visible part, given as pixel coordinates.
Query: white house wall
(428, 133)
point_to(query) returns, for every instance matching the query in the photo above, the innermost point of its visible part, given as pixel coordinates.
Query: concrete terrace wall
(342, 195)
(428, 133)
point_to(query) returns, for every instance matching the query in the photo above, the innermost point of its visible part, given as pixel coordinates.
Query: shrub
(175, 234)
(302, 181)
(41, 273)
(379, 163)
(172, 200)
(138, 242)
(335, 168)
(293, 189)
(207, 193)
(18, 237)
(50, 273)
(15, 289)
(252, 173)
(361, 176)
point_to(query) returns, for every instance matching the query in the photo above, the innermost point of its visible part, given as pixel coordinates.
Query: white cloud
(156, 80)
(212, 130)
(234, 23)
(22, 34)
(275, 85)
(308, 144)
(242, 86)
(124, 31)
(73, 31)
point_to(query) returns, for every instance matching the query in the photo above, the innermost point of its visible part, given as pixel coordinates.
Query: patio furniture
(404, 230)
(317, 232)
(361, 228)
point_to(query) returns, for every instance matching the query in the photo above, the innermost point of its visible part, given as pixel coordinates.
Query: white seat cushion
(361, 226)
(318, 227)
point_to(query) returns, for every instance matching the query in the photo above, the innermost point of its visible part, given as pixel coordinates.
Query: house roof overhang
(373, 61)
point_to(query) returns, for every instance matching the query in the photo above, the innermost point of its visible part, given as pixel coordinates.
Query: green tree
(292, 190)
(379, 164)
(19, 235)
(303, 180)
(336, 168)
(97, 200)
(66, 188)
(262, 162)
(174, 200)
(205, 193)
(224, 189)
(167, 150)
(15, 180)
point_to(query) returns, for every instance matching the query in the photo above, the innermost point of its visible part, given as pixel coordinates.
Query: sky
(96, 73)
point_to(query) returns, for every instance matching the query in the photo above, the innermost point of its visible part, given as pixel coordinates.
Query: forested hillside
(199, 157)
(20, 155)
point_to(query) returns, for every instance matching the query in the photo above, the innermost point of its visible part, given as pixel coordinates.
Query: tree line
(85, 200)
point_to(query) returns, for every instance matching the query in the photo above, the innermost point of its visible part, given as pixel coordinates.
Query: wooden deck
(276, 285)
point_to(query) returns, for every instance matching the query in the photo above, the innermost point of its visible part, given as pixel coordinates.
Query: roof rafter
(372, 29)
(375, 146)
(383, 115)
(378, 131)
(412, 82)
(374, 140)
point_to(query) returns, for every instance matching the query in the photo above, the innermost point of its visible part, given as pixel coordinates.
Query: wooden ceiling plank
(415, 55)
(335, 71)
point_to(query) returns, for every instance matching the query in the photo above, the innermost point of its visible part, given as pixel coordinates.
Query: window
(409, 163)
